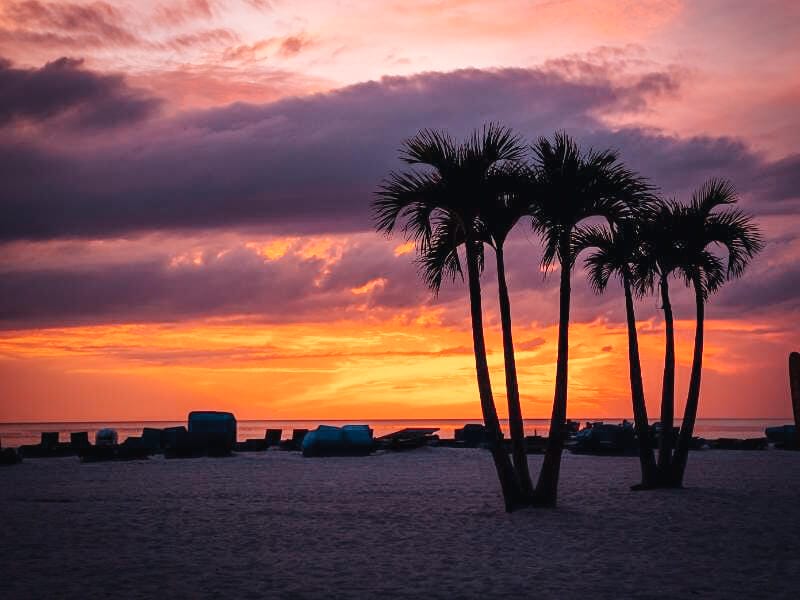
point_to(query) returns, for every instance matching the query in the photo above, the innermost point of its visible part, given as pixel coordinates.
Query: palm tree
(614, 254)
(657, 260)
(701, 229)
(441, 206)
(572, 185)
(502, 209)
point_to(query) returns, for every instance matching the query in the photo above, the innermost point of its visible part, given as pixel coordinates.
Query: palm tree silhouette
(570, 186)
(658, 258)
(506, 203)
(615, 253)
(440, 208)
(702, 228)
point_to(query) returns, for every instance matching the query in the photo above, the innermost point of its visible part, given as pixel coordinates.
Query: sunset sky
(185, 190)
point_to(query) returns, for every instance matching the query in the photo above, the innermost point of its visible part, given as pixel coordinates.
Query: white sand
(424, 523)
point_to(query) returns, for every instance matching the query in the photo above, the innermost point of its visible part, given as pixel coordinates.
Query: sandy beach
(427, 523)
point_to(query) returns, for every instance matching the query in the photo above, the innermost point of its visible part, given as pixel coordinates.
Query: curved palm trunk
(646, 456)
(667, 386)
(547, 486)
(515, 422)
(690, 412)
(505, 472)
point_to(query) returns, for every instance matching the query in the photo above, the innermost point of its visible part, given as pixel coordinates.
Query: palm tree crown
(457, 180)
(572, 185)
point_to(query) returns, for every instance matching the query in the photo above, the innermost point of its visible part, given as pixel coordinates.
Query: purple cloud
(63, 89)
(309, 166)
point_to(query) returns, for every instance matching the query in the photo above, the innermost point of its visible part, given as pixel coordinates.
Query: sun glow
(410, 365)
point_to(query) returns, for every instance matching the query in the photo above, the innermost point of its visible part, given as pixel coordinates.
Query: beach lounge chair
(409, 438)
(49, 440)
(79, 440)
(296, 441)
(152, 439)
(471, 435)
(9, 456)
(272, 437)
(602, 438)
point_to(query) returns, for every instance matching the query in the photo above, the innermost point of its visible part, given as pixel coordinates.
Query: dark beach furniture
(605, 439)
(171, 437)
(535, 444)
(409, 438)
(106, 437)
(350, 440)
(48, 446)
(9, 456)
(79, 440)
(210, 433)
(251, 445)
(471, 435)
(272, 437)
(152, 439)
(133, 448)
(296, 440)
(217, 430)
(177, 443)
(737, 444)
(49, 440)
(782, 436)
(572, 428)
(106, 448)
(655, 434)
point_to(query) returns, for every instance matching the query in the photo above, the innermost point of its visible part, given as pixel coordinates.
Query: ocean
(15, 434)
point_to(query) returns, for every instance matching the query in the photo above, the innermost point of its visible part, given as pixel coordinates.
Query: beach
(425, 523)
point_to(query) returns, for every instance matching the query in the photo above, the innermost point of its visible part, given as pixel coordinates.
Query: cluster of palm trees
(460, 197)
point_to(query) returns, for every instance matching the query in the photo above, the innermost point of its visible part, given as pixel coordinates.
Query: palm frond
(713, 193)
(573, 185)
(409, 197)
(431, 147)
(740, 236)
(439, 261)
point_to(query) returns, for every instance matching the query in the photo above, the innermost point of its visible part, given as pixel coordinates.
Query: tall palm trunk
(646, 457)
(668, 385)
(515, 422)
(794, 388)
(547, 486)
(505, 472)
(692, 399)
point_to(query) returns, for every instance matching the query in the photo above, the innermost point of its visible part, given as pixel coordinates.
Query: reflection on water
(14, 434)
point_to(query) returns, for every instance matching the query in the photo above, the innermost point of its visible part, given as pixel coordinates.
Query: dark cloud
(768, 288)
(63, 89)
(779, 182)
(305, 164)
(309, 166)
(239, 281)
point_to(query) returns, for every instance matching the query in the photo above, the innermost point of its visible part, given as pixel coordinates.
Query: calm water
(14, 434)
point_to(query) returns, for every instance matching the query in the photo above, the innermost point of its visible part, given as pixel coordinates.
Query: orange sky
(312, 315)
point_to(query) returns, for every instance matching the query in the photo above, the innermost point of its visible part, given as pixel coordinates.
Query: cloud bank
(303, 166)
